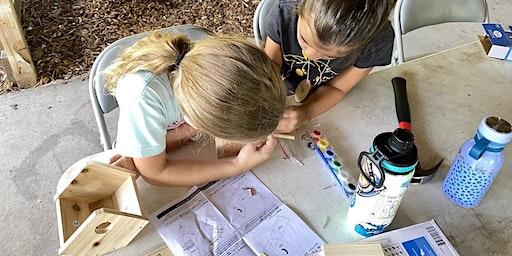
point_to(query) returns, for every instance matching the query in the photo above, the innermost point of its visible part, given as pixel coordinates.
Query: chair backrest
(106, 101)
(260, 19)
(414, 14)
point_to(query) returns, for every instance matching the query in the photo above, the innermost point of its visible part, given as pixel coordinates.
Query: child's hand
(124, 162)
(293, 118)
(255, 153)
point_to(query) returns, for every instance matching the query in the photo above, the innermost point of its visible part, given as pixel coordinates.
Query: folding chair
(259, 22)
(410, 15)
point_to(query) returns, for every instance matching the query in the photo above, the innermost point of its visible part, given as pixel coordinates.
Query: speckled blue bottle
(477, 164)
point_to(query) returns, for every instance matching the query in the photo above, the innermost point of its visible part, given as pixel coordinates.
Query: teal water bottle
(386, 172)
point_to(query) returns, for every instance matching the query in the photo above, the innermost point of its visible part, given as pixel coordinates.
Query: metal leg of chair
(104, 135)
(397, 28)
(400, 53)
(487, 19)
(100, 119)
(102, 128)
(256, 23)
(394, 58)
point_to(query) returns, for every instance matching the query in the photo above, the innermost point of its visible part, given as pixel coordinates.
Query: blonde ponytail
(226, 86)
(155, 53)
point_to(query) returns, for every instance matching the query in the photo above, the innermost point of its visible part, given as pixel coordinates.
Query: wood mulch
(65, 36)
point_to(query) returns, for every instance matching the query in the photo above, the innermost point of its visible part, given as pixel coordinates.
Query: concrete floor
(46, 129)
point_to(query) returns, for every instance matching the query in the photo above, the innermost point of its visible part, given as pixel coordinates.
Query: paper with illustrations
(236, 216)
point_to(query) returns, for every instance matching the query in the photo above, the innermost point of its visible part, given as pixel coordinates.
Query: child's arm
(273, 50)
(175, 138)
(159, 171)
(178, 137)
(323, 99)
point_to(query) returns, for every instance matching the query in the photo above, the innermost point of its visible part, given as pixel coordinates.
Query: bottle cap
(496, 130)
(401, 140)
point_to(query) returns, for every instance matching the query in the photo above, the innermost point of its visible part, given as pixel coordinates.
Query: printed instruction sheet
(236, 216)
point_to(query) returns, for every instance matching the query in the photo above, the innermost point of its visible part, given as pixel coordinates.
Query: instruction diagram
(276, 238)
(243, 201)
(284, 233)
(237, 216)
(211, 228)
(239, 197)
(189, 240)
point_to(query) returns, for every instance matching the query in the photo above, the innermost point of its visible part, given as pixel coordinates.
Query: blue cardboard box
(497, 42)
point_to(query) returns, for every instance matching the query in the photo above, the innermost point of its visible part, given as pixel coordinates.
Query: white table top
(449, 93)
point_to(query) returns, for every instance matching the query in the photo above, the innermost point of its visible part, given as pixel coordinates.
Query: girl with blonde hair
(222, 86)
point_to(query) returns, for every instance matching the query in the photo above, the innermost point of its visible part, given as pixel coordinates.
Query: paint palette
(318, 142)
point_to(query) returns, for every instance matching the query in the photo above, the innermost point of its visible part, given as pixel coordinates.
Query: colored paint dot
(322, 144)
(316, 134)
(335, 165)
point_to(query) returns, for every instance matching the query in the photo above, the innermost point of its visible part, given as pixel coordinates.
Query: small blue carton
(497, 42)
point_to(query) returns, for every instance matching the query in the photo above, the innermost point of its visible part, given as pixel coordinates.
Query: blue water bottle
(477, 164)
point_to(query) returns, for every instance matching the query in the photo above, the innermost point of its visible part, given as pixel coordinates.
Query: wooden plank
(109, 169)
(164, 251)
(126, 199)
(286, 136)
(4, 62)
(354, 249)
(103, 203)
(15, 46)
(96, 182)
(104, 231)
(17, 7)
(60, 224)
(71, 214)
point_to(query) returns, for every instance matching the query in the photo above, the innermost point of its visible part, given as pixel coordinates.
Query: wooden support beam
(354, 249)
(15, 46)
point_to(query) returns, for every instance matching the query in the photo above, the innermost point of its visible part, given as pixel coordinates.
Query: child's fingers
(115, 158)
(118, 162)
(269, 145)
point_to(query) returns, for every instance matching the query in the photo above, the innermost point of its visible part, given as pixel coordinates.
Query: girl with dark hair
(324, 48)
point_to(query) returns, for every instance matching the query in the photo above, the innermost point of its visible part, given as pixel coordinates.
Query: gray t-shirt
(282, 29)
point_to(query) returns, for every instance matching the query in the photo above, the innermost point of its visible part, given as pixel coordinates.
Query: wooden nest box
(99, 211)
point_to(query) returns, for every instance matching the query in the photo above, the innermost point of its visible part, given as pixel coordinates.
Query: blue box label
(497, 34)
(419, 247)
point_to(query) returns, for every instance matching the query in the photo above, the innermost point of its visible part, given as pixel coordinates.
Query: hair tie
(178, 60)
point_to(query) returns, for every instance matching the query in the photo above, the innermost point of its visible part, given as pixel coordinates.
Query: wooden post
(15, 46)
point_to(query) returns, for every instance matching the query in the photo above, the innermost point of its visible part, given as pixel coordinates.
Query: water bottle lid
(496, 130)
(401, 140)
